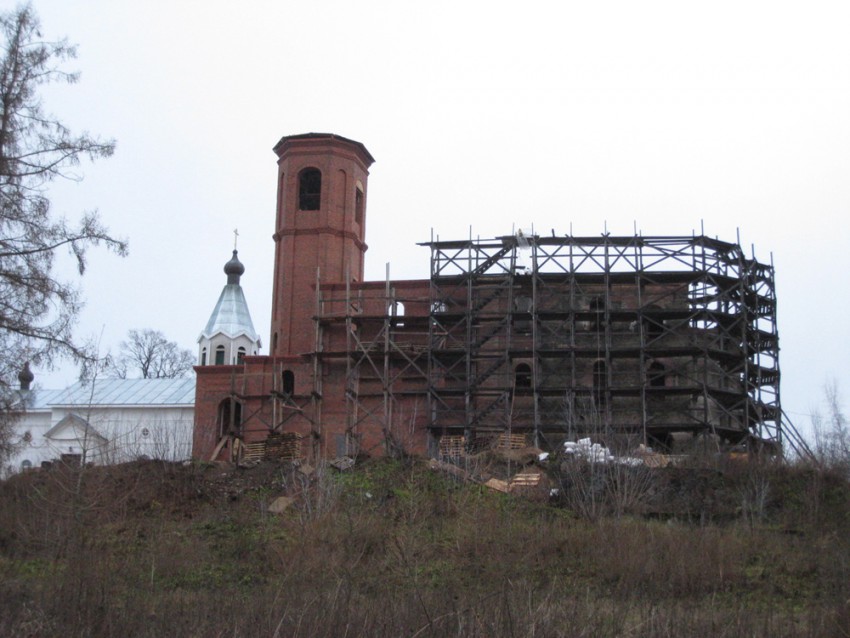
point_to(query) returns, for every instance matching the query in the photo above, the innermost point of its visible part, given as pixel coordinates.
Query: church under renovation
(515, 341)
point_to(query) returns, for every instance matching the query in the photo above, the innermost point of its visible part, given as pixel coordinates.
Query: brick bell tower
(320, 228)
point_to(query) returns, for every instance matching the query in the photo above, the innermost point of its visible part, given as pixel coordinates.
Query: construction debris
(306, 469)
(449, 468)
(498, 485)
(342, 464)
(280, 504)
(595, 453)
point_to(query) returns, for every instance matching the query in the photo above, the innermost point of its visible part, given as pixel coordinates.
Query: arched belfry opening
(310, 189)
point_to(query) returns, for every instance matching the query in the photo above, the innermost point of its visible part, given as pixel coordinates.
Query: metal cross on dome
(235, 237)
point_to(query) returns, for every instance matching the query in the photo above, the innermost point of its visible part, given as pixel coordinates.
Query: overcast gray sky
(569, 115)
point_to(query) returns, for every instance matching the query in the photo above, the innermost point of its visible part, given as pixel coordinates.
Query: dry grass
(393, 549)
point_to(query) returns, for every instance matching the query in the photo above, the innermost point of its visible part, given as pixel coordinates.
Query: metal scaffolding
(381, 353)
(561, 337)
(552, 338)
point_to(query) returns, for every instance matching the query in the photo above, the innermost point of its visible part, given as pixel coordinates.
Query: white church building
(104, 421)
(117, 420)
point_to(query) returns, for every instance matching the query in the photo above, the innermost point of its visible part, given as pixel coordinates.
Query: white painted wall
(131, 432)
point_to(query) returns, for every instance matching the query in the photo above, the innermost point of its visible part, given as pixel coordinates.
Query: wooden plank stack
(512, 441)
(285, 446)
(253, 451)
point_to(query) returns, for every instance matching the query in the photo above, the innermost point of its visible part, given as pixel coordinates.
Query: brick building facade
(518, 338)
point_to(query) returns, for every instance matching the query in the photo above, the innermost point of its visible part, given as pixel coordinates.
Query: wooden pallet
(512, 441)
(452, 445)
(526, 479)
(254, 451)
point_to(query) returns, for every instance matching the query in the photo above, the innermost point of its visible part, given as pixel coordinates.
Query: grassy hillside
(394, 548)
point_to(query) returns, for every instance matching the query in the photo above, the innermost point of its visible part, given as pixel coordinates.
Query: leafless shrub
(583, 486)
(160, 440)
(598, 483)
(316, 490)
(832, 432)
(755, 491)
(629, 487)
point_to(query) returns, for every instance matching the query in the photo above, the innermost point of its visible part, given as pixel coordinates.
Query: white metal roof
(38, 399)
(128, 392)
(230, 316)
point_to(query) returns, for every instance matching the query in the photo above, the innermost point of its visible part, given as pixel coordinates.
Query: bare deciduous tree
(832, 431)
(153, 356)
(38, 309)
(9, 439)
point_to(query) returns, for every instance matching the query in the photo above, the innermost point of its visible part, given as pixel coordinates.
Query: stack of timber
(253, 451)
(285, 446)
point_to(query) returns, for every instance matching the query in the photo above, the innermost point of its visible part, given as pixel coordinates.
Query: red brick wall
(329, 241)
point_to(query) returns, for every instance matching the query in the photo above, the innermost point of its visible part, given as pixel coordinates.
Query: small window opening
(653, 326)
(310, 189)
(597, 305)
(358, 205)
(398, 309)
(522, 303)
(240, 355)
(522, 376)
(288, 379)
(653, 329)
(204, 357)
(600, 384)
(398, 312)
(656, 375)
(219, 356)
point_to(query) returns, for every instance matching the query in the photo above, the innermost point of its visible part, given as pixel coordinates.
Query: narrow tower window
(310, 189)
(522, 376)
(240, 355)
(219, 356)
(204, 357)
(358, 205)
(288, 378)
